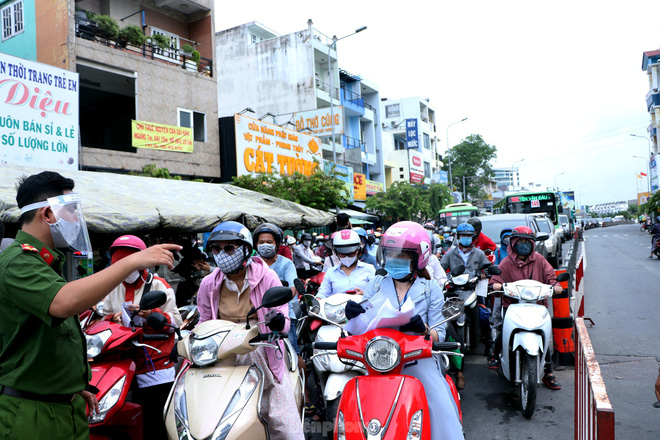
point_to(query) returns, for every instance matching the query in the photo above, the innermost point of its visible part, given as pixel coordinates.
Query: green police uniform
(42, 358)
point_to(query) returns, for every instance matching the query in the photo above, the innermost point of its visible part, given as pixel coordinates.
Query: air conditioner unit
(393, 124)
(383, 124)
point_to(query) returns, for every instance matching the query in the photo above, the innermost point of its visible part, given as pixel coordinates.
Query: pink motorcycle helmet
(408, 237)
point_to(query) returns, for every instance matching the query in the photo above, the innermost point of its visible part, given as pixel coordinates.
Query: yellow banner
(359, 186)
(161, 137)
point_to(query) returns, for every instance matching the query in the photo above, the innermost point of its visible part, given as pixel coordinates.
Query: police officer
(43, 370)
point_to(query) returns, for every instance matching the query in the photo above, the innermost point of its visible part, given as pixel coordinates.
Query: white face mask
(348, 261)
(132, 277)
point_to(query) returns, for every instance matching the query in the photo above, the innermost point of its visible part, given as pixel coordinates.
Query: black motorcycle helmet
(476, 224)
(270, 229)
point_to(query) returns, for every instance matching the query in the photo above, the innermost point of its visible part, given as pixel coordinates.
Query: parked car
(553, 243)
(492, 225)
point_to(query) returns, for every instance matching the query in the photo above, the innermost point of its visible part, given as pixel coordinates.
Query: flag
(638, 176)
(643, 174)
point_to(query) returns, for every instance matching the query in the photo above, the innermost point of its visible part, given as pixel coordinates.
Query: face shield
(70, 229)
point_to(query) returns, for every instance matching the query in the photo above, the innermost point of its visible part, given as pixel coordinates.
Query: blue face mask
(398, 268)
(465, 241)
(524, 248)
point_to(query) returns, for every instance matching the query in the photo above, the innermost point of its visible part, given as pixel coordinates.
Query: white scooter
(213, 398)
(333, 372)
(526, 334)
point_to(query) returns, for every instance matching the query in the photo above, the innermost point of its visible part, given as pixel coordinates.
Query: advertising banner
(374, 187)
(412, 135)
(264, 147)
(161, 137)
(441, 177)
(347, 178)
(38, 114)
(567, 199)
(320, 121)
(416, 167)
(654, 174)
(359, 186)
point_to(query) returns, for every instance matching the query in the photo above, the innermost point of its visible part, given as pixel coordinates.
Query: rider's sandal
(551, 382)
(493, 364)
(312, 412)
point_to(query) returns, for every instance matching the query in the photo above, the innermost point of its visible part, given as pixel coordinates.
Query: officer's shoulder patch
(29, 248)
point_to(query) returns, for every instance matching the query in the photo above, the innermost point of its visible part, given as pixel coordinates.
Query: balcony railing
(87, 29)
(326, 88)
(350, 143)
(352, 97)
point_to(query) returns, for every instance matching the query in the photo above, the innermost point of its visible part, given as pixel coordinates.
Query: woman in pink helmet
(404, 252)
(155, 374)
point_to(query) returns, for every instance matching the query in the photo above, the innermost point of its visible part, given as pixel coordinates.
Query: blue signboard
(441, 177)
(412, 135)
(347, 178)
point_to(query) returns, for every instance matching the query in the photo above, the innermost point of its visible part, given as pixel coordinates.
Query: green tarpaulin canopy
(117, 203)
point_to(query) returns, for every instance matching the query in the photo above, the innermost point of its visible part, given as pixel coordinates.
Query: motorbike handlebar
(446, 346)
(325, 345)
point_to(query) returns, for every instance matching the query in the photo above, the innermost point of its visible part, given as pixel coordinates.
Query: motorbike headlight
(335, 313)
(108, 401)
(181, 408)
(382, 354)
(461, 280)
(205, 351)
(415, 430)
(530, 293)
(237, 403)
(511, 292)
(96, 342)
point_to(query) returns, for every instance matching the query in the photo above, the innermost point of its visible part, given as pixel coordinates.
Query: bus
(541, 202)
(456, 213)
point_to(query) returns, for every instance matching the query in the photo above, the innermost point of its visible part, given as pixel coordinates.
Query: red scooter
(401, 410)
(111, 349)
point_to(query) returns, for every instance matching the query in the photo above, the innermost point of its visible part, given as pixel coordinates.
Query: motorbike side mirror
(494, 270)
(451, 309)
(276, 296)
(300, 287)
(381, 271)
(457, 270)
(563, 277)
(311, 303)
(153, 299)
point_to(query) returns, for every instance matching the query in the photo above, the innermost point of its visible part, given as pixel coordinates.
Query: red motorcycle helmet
(522, 232)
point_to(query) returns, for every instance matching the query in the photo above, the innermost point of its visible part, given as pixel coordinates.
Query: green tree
(471, 159)
(151, 170)
(404, 201)
(319, 190)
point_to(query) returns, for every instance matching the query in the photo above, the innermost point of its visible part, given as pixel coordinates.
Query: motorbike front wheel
(331, 409)
(528, 385)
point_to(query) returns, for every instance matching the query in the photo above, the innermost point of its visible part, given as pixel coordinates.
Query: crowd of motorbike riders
(232, 273)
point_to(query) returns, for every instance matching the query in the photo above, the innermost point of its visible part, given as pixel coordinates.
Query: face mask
(506, 241)
(446, 234)
(67, 235)
(229, 263)
(465, 241)
(348, 261)
(307, 243)
(132, 277)
(524, 248)
(398, 268)
(266, 250)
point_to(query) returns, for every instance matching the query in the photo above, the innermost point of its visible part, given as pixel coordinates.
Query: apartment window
(392, 111)
(399, 144)
(427, 169)
(12, 20)
(194, 120)
(427, 141)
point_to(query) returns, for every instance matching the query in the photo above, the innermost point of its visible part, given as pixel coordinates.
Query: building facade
(121, 81)
(506, 177)
(410, 141)
(295, 81)
(651, 65)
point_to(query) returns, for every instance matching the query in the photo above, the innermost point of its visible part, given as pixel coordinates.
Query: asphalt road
(622, 289)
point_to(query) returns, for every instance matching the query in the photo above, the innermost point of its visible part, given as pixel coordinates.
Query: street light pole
(464, 179)
(648, 176)
(449, 155)
(563, 172)
(332, 99)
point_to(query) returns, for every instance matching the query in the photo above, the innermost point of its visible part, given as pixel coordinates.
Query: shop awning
(117, 203)
(359, 215)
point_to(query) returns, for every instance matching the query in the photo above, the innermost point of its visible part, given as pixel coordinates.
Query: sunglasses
(228, 248)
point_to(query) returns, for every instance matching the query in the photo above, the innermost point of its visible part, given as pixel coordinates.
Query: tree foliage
(471, 159)
(404, 201)
(652, 207)
(319, 190)
(151, 170)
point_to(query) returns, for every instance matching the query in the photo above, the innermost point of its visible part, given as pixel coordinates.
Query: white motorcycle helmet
(346, 241)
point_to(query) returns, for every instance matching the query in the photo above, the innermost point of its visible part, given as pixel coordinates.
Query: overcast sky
(558, 84)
